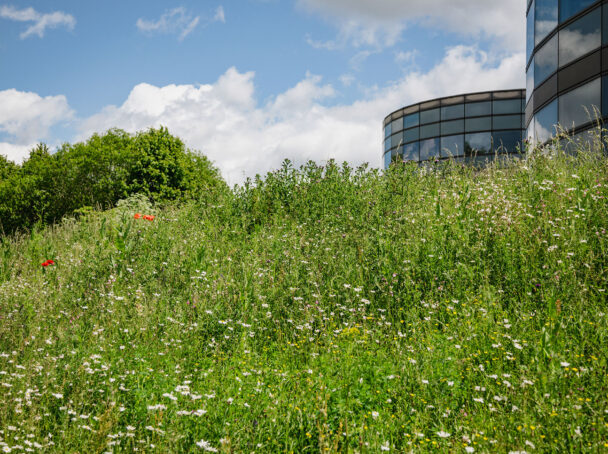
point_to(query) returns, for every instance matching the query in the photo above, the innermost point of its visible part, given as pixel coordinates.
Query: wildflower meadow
(319, 309)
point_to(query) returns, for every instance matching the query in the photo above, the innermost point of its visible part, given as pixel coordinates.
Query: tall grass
(320, 309)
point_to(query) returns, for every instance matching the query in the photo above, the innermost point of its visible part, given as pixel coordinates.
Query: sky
(248, 83)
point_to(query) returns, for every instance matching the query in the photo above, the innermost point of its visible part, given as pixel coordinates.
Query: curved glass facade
(470, 128)
(567, 66)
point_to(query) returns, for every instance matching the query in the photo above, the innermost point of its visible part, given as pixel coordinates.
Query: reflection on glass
(429, 149)
(530, 80)
(530, 32)
(396, 139)
(545, 19)
(506, 141)
(387, 160)
(580, 37)
(409, 135)
(387, 130)
(411, 120)
(387, 144)
(411, 152)
(478, 124)
(605, 95)
(604, 25)
(568, 8)
(451, 112)
(507, 106)
(507, 122)
(545, 61)
(452, 146)
(429, 116)
(580, 105)
(397, 125)
(477, 109)
(530, 131)
(545, 121)
(429, 131)
(478, 143)
(452, 127)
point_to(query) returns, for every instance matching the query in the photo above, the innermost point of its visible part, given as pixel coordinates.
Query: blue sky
(248, 83)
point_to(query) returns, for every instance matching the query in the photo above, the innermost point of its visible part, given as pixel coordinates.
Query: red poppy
(47, 263)
(137, 215)
(149, 217)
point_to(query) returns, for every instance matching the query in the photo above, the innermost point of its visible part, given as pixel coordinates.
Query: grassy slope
(323, 310)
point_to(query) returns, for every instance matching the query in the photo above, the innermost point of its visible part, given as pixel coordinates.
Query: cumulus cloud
(40, 21)
(243, 137)
(380, 23)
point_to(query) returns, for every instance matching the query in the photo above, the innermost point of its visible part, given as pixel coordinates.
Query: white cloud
(41, 21)
(380, 23)
(219, 15)
(176, 21)
(225, 122)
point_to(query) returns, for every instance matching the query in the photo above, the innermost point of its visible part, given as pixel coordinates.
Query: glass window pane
(545, 61)
(387, 130)
(397, 125)
(530, 33)
(507, 141)
(478, 124)
(429, 149)
(545, 121)
(429, 131)
(578, 106)
(452, 146)
(605, 95)
(568, 8)
(411, 120)
(409, 135)
(478, 109)
(545, 19)
(411, 152)
(580, 37)
(452, 127)
(530, 131)
(387, 144)
(451, 112)
(604, 24)
(478, 143)
(387, 159)
(530, 80)
(507, 122)
(396, 139)
(507, 106)
(429, 116)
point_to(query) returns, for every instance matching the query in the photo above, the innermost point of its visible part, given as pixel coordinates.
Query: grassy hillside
(316, 310)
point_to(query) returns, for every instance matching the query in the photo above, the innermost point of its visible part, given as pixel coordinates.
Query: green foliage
(319, 309)
(98, 173)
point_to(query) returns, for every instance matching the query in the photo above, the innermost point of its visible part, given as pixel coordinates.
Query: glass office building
(474, 127)
(565, 63)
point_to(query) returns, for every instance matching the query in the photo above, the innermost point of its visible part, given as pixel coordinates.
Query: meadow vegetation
(319, 309)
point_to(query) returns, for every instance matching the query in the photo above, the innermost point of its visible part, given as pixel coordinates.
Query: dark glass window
(387, 130)
(452, 112)
(396, 139)
(530, 33)
(478, 124)
(545, 19)
(429, 131)
(604, 25)
(545, 121)
(568, 8)
(580, 37)
(506, 141)
(452, 146)
(429, 149)
(477, 109)
(507, 106)
(477, 143)
(387, 159)
(605, 95)
(387, 144)
(452, 127)
(579, 106)
(530, 80)
(397, 125)
(545, 61)
(409, 135)
(429, 116)
(411, 152)
(507, 122)
(411, 120)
